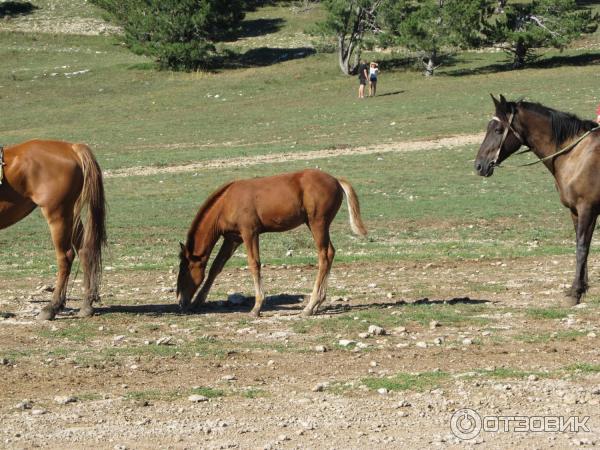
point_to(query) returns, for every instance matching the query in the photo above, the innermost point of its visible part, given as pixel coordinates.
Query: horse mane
(208, 203)
(564, 125)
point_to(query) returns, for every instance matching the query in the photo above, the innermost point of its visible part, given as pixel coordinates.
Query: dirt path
(407, 146)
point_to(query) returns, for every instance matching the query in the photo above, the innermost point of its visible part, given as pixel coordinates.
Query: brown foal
(241, 210)
(569, 148)
(61, 178)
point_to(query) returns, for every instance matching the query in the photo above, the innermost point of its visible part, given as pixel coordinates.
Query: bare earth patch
(487, 335)
(408, 146)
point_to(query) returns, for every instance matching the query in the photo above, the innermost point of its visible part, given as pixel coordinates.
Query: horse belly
(12, 212)
(281, 216)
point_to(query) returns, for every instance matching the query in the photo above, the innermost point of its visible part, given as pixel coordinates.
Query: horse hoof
(46, 313)
(254, 313)
(86, 311)
(306, 313)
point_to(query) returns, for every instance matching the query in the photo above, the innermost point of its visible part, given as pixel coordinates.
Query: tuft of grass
(547, 313)
(208, 392)
(584, 368)
(79, 331)
(254, 393)
(408, 381)
(532, 338)
(508, 372)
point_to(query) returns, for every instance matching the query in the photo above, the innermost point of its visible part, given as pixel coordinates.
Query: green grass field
(425, 205)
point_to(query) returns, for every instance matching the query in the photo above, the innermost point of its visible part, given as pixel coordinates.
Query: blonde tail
(356, 223)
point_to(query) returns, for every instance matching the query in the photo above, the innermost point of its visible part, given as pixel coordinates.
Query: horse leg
(575, 220)
(225, 252)
(326, 252)
(252, 249)
(60, 224)
(585, 229)
(90, 295)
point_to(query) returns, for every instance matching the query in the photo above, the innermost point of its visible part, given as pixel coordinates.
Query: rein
(567, 149)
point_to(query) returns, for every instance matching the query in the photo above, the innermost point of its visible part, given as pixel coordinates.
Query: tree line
(181, 34)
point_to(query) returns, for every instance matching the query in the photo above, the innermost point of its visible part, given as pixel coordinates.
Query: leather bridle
(508, 128)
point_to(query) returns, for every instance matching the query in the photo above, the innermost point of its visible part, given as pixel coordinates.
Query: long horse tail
(356, 223)
(94, 231)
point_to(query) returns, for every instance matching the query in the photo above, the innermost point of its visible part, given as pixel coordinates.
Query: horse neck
(537, 133)
(204, 233)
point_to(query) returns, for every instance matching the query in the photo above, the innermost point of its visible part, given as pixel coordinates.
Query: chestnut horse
(241, 210)
(569, 148)
(61, 178)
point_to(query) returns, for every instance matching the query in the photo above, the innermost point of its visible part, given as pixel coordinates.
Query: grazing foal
(241, 210)
(569, 148)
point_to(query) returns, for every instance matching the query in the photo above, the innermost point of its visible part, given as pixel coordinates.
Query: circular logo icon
(465, 424)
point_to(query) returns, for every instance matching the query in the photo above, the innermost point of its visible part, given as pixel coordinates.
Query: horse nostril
(478, 167)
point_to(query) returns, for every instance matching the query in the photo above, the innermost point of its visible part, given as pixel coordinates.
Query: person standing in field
(373, 74)
(363, 75)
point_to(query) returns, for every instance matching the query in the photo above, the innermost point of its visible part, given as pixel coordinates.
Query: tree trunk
(520, 54)
(430, 64)
(348, 58)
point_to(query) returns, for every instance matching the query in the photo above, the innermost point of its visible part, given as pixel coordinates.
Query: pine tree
(179, 33)
(526, 27)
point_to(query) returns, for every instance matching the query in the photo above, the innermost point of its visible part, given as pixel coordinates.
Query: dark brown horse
(241, 210)
(569, 148)
(61, 178)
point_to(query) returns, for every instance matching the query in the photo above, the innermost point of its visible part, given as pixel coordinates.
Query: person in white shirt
(373, 74)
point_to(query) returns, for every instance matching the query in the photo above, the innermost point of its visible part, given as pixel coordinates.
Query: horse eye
(498, 130)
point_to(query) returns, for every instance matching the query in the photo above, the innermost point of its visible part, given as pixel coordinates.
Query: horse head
(190, 277)
(501, 139)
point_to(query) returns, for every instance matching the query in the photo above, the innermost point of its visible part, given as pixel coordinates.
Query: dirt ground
(126, 377)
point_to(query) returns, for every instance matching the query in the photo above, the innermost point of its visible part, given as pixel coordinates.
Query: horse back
(280, 202)
(43, 171)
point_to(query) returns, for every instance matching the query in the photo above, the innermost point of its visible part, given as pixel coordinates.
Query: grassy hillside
(283, 97)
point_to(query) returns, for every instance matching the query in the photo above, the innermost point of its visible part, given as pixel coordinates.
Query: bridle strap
(505, 135)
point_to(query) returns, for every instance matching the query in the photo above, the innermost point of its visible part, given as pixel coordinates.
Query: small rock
(166, 340)
(363, 335)
(101, 328)
(282, 437)
(119, 338)
(4, 362)
(373, 363)
(421, 344)
(195, 398)
(533, 377)
(434, 324)
(38, 412)
(438, 341)
(346, 342)
(320, 387)
(320, 349)
(591, 334)
(376, 330)
(64, 400)
(382, 391)
(25, 404)
(229, 378)
(467, 341)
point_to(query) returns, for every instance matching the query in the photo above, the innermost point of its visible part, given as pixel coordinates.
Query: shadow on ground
(541, 63)
(13, 9)
(287, 303)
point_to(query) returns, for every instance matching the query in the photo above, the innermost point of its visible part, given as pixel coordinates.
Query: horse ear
(183, 249)
(496, 102)
(502, 100)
